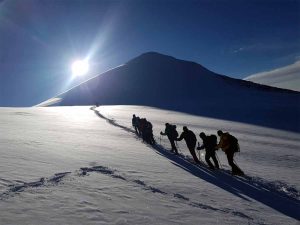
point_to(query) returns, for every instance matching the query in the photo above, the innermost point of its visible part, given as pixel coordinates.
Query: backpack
(212, 141)
(234, 143)
(173, 131)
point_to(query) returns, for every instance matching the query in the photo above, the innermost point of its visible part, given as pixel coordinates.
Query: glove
(161, 133)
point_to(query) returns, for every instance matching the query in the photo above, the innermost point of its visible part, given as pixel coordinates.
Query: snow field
(67, 165)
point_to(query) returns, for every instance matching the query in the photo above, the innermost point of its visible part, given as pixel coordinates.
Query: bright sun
(80, 68)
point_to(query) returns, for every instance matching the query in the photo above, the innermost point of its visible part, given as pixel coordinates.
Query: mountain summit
(157, 80)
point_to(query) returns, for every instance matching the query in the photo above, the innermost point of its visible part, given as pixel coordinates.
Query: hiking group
(143, 128)
(228, 143)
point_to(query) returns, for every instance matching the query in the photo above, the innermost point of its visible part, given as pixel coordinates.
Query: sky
(39, 39)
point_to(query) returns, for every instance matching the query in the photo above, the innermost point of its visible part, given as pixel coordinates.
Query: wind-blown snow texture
(286, 77)
(83, 165)
(162, 81)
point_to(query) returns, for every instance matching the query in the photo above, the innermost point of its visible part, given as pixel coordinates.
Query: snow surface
(286, 77)
(84, 165)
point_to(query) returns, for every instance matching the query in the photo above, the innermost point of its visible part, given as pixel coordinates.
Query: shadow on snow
(242, 187)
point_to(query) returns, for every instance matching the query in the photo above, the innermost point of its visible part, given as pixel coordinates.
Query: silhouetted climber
(138, 121)
(148, 133)
(229, 145)
(209, 144)
(142, 125)
(172, 134)
(135, 123)
(191, 140)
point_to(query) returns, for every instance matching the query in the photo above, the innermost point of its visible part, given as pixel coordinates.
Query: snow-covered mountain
(162, 81)
(287, 77)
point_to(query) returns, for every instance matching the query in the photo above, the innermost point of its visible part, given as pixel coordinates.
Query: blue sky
(40, 39)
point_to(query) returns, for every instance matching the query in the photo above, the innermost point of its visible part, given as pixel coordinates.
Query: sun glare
(80, 68)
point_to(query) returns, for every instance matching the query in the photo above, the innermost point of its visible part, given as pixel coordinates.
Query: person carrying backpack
(172, 134)
(149, 133)
(229, 144)
(142, 126)
(209, 144)
(191, 140)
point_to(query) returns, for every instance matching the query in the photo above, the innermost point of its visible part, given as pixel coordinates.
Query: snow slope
(83, 165)
(162, 81)
(286, 77)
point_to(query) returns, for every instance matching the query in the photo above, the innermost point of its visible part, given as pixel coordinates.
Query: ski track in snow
(287, 198)
(155, 190)
(276, 188)
(17, 188)
(84, 171)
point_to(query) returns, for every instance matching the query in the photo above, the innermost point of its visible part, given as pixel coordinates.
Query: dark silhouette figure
(138, 121)
(229, 146)
(172, 134)
(148, 133)
(142, 126)
(191, 140)
(209, 144)
(135, 123)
